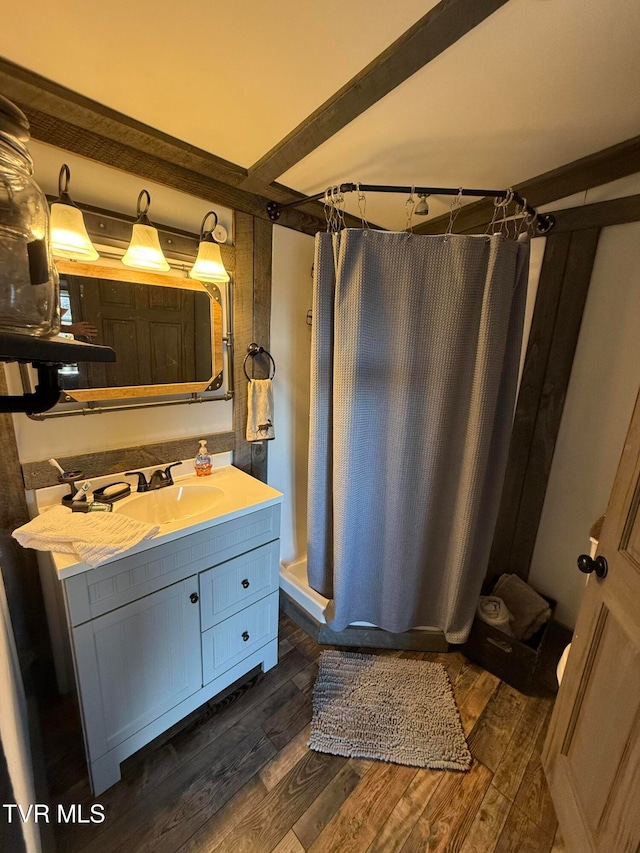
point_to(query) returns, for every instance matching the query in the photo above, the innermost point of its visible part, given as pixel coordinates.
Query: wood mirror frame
(122, 274)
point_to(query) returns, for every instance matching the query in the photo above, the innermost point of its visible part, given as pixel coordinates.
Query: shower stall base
(306, 607)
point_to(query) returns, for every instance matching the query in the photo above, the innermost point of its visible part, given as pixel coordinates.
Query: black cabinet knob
(245, 636)
(587, 565)
(245, 583)
(194, 597)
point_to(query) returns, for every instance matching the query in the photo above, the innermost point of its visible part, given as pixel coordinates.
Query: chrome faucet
(160, 478)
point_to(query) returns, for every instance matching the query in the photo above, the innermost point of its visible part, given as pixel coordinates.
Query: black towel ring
(252, 351)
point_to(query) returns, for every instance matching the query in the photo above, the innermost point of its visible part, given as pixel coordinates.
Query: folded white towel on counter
(260, 410)
(92, 536)
(495, 612)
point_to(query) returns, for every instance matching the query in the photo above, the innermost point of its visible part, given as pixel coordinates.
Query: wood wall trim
(38, 475)
(242, 334)
(13, 505)
(575, 287)
(617, 161)
(562, 293)
(252, 322)
(602, 214)
(262, 259)
(440, 28)
(19, 567)
(531, 384)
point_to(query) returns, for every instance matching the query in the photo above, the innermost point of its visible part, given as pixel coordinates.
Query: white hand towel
(260, 410)
(92, 536)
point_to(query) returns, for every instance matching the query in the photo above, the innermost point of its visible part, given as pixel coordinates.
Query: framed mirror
(167, 332)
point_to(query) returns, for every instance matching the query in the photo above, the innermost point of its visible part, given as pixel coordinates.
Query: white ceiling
(231, 78)
(536, 85)
(540, 83)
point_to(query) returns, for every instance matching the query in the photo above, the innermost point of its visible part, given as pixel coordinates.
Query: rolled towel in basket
(530, 610)
(495, 612)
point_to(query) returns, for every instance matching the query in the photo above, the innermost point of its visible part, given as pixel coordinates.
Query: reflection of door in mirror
(161, 335)
(166, 330)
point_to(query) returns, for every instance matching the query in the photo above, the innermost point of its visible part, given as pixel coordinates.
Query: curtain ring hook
(409, 205)
(522, 211)
(454, 210)
(362, 207)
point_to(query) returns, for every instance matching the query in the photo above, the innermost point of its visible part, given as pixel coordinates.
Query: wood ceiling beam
(444, 25)
(62, 117)
(601, 214)
(56, 131)
(610, 164)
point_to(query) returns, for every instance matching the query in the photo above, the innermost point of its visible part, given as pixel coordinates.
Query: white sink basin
(171, 503)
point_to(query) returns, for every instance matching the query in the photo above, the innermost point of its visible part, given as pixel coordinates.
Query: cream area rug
(365, 706)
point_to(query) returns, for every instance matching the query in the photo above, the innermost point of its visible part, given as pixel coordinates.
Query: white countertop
(242, 494)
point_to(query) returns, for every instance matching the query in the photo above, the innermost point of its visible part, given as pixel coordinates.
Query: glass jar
(29, 286)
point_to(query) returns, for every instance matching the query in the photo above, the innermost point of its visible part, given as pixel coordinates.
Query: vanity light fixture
(144, 250)
(208, 265)
(69, 238)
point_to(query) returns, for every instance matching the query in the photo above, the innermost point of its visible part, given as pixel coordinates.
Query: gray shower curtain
(415, 352)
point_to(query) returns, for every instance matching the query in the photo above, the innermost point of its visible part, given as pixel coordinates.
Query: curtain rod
(544, 223)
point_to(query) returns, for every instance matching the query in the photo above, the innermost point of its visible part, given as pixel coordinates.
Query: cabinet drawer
(227, 643)
(103, 589)
(235, 585)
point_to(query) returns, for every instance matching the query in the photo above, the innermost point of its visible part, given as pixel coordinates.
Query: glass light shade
(144, 250)
(208, 265)
(69, 238)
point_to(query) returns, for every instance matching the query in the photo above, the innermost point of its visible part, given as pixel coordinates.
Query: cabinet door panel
(234, 585)
(226, 644)
(138, 662)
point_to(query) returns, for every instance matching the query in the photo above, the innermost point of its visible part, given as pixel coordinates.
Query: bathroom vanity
(172, 622)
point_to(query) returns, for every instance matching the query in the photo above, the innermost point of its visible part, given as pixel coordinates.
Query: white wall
(102, 186)
(602, 390)
(291, 347)
(108, 431)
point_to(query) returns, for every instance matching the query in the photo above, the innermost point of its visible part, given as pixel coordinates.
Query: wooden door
(161, 335)
(137, 662)
(592, 753)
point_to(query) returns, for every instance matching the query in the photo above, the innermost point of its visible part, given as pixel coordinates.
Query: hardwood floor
(239, 777)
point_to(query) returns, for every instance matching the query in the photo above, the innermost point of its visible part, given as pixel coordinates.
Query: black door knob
(194, 597)
(245, 583)
(587, 565)
(245, 636)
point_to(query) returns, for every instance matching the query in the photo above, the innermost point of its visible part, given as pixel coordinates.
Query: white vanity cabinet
(158, 633)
